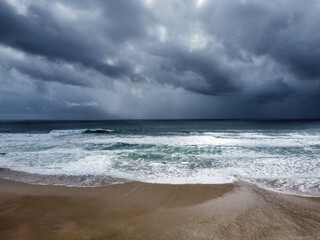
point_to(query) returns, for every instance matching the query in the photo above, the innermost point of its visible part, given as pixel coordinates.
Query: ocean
(281, 156)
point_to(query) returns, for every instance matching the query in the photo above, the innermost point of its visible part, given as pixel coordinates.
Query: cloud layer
(97, 59)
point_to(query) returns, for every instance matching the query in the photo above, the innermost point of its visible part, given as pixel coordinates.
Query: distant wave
(98, 131)
(66, 132)
(80, 131)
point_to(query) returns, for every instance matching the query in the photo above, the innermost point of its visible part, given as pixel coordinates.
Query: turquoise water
(279, 155)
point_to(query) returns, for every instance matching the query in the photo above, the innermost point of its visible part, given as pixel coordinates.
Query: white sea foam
(66, 132)
(283, 161)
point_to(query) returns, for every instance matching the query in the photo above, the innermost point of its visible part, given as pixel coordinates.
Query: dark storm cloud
(197, 72)
(39, 33)
(276, 91)
(136, 58)
(284, 30)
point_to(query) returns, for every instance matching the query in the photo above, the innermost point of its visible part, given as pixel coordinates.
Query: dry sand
(152, 211)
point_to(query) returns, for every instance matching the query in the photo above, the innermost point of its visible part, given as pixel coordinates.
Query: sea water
(279, 155)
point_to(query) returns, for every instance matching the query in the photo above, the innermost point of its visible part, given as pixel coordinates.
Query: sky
(155, 59)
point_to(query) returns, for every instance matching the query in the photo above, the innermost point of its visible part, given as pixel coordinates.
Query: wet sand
(154, 211)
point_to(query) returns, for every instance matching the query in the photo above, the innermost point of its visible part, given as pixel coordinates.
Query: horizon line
(161, 119)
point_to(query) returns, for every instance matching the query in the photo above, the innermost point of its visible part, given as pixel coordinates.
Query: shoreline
(136, 210)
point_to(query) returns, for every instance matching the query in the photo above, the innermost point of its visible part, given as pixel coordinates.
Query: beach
(159, 120)
(137, 210)
(180, 180)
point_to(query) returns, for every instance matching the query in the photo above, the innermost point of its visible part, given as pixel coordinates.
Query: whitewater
(282, 156)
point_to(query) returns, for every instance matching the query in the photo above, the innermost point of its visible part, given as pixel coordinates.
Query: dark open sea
(278, 155)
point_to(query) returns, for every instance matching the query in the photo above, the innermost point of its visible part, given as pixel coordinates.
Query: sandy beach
(138, 210)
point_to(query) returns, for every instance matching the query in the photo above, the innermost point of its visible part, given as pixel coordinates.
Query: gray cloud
(81, 104)
(283, 30)
(159, 59)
